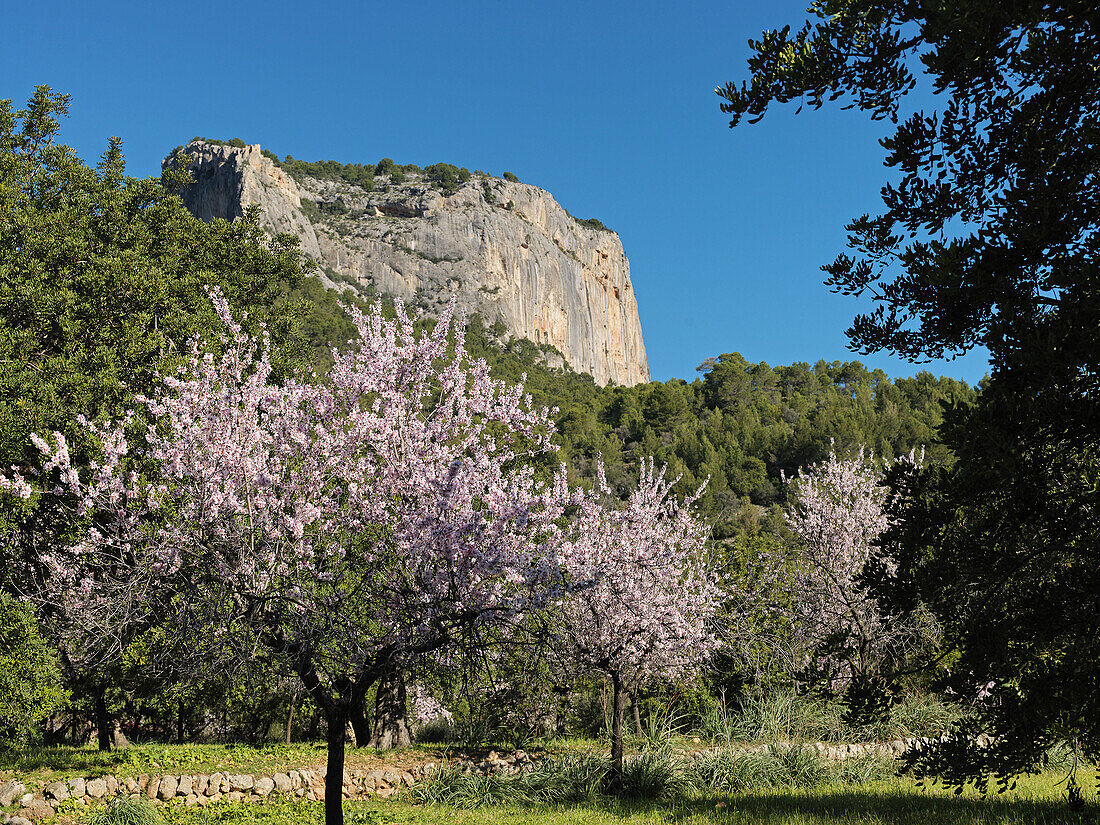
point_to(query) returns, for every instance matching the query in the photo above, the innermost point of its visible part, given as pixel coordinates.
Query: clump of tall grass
(920, 715)
(732, 772)
(779, 716)
(786, 717)
(125, 811)
(659, 728)
(653, 775)
(862, 769)
(459, 789)
(568, 779)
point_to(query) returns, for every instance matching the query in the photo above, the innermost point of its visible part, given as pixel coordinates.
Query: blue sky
(609, 106)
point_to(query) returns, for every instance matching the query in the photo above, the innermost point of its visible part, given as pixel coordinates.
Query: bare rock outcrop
(507, 250)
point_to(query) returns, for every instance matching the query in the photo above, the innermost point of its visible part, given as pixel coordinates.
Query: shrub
(447, 176)
(236, 143)
(592, 223)
(356, 174)
(30, 683)
(508, 176)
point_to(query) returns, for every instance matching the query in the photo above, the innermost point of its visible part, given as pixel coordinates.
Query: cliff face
(507, 250)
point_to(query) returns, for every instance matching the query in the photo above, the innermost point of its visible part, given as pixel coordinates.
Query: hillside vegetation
(743, 426)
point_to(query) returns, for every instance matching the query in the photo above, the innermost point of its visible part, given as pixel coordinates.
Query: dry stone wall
(201, 789)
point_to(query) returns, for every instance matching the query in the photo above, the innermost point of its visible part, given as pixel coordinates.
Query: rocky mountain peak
(506, 249)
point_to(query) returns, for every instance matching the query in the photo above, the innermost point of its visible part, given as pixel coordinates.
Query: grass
(52, 764)
(1036, 801)
(124, 811)
(786, 785)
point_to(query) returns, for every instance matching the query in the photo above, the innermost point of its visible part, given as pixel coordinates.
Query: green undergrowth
(124, 811)
(653, 775)
(1036, 801)
(798, 718)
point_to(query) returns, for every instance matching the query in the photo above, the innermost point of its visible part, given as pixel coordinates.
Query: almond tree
(348, 525)
(641, 601)
(836, 514)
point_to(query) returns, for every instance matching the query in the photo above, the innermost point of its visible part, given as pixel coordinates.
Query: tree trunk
(337, 718)
(118, 738)
(57, 729)
(102, 719)
(615, 778)
(313, 729)
(637, 716)
(360, 726)
(290, 716)
(181, 718)
(391, 726)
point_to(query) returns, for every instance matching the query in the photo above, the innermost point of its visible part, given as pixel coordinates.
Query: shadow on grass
(78, 760)
(830, 807)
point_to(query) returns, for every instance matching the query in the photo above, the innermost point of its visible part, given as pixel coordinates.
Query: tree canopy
(102, 276)
(989, 237)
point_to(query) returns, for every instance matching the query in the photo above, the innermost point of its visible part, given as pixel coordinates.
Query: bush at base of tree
(30, 683)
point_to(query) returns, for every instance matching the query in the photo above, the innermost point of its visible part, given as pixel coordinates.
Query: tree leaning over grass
(348, 525)
(641, 602)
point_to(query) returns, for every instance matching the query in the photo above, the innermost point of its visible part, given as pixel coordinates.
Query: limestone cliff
(508, 250)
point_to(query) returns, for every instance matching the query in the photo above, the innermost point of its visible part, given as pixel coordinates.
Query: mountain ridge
(507, 250)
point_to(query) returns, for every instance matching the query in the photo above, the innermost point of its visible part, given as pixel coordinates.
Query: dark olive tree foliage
(990, 236)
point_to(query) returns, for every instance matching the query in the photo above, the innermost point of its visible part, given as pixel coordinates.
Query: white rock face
(507, 250)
